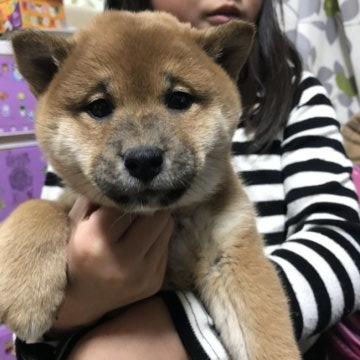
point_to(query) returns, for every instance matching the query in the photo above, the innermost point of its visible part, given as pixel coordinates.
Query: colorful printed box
(6, 344)
(36, 14)
(17, 103)
(22, 176)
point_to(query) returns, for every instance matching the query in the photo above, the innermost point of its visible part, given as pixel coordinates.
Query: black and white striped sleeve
(319, 262)
(53, 186)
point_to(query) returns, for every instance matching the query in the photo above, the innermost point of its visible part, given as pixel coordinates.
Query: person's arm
(319, 262)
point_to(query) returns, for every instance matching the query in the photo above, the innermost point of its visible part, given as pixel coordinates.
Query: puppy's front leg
(33, 267)
(243, 295)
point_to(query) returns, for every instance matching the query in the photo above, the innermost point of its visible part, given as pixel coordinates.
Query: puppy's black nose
(144, 162)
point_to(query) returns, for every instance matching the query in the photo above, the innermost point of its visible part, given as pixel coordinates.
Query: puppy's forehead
(136, 59)
(129, 35)
(141, 44)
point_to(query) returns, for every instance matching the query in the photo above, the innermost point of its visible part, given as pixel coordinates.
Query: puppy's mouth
(144, 198)
(145, 178)
(147, 198)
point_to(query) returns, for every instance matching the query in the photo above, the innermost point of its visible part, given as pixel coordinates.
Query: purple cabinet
(6, 344)
(21, 162)
(17, 103)
(22, 174)
(22, 166)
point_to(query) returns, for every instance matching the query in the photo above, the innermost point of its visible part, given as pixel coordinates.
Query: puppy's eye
(100, 108)
(179, 100)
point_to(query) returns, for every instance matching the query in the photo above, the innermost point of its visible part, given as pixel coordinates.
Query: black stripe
(39, 351)
(183, 327)
(312, 142)
(340, 210)
(52, 179)
(330, 188)
(312, 123)
(261, 177)
(316, 283)
(242, 148)
(339, 270)
(318, 99)
(304, 85)
(342, 242)
(274, 238)
(241, 124)
(315, 165)
(295, 311)
(270, 208)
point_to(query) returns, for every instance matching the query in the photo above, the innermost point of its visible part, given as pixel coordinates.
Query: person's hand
(114, 259)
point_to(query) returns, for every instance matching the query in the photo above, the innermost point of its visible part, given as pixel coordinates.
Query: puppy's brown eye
(100, 108)
(179, 100)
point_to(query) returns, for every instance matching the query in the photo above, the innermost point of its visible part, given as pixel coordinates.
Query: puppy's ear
(38, 56)
(228, 44)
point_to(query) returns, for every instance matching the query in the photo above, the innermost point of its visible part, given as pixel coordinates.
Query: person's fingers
(111, 222)
(162, 265)
(143, 232)
(80, 209)
(162, 241)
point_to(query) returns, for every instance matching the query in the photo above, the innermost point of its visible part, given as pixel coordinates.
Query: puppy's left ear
(38, 56)
(228, 44)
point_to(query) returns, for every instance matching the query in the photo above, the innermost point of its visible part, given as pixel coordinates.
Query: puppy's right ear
(38, 56)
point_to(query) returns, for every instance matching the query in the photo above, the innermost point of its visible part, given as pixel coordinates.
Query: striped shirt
(308, 213)
(307, 210)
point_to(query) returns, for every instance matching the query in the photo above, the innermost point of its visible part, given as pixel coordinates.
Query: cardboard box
(35, 14)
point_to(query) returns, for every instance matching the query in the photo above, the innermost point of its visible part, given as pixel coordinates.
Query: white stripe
(303, 293)
(314, 217)
(324, 153)
(339, 252)
(256, 162)
(329, 132)
(272, 192)
(270, 224)
(51, 192)
(241, 136)
(314, 178)
(203, 326)
(325, 272)
(310, 92)
(306, 74)
(269, 249)
(347, 236)
(311, 112)
(296, 206)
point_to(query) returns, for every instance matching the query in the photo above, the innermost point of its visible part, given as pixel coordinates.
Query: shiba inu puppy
(137, 111)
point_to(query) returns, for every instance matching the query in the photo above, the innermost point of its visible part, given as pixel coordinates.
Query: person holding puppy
(288, 150)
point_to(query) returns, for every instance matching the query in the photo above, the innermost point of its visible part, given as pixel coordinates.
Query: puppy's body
(132, 120)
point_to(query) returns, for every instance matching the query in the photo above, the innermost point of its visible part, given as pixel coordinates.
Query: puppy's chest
(192, 239)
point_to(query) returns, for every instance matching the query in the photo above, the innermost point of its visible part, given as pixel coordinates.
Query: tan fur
(215, 249)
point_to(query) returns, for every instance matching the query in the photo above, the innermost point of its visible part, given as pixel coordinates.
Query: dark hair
(269, 79)
(131, 5)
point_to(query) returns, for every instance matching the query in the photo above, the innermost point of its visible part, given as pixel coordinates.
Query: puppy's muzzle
(144, 162)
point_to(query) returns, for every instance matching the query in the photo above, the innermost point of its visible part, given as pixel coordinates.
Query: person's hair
(269, 79)
(131, 5)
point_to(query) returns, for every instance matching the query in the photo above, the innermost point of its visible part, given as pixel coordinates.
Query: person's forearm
(73, 316)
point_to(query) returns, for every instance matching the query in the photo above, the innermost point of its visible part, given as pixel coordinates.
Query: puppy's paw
(32, 267)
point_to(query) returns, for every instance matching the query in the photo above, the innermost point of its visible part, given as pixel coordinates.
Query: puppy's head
(137, 110)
